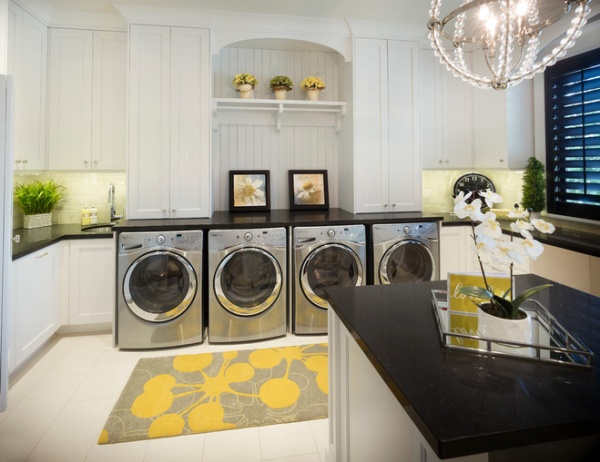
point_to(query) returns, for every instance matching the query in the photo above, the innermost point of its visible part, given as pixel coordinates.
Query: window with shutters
(573, 136)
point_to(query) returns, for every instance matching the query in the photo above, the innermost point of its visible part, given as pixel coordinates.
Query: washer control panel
(184, 240)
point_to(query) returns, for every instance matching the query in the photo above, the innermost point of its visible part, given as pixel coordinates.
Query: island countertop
(464, 403)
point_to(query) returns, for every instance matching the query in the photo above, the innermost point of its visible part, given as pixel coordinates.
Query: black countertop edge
(32, 240)
(441, 371)
(583, 241)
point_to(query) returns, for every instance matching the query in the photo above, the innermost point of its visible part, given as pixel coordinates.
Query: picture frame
(249, 190)
(309, 190)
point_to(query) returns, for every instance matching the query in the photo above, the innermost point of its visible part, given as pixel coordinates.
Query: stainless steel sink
(99, 228)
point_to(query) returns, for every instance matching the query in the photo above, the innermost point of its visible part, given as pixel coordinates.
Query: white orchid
(462, 197)
(490, 197)
(489, 247)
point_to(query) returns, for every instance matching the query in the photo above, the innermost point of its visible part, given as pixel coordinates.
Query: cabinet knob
(385, 205)
(24, 161)
(441, 161)
(393, 205)
(501, 161)
(16, 238)
(17, 161)
(85, 162)
(447, 161)
(164, 211)
(173, 210)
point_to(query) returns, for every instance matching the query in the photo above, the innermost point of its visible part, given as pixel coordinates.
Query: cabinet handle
(17, 161)
(45, 254)
(174, 210)
(17, 238)
(164, 210)
(24, 161)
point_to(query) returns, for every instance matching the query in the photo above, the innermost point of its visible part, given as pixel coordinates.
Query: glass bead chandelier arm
(507, 33)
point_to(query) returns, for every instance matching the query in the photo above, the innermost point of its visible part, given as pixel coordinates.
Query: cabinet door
(371, 125)
(37, 300)
(404, 159)
(190, 177)
(70, 99)
(149, 100)
(447, 106)
(92, 281)
(27, 63)
(453, 247)
(109, 108)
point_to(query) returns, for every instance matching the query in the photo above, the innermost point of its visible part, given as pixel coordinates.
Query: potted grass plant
(37, 200)
(244, 83)
(312, 86)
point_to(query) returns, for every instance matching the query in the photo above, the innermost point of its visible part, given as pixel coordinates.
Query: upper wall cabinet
(87, 100)
(446, 116)
(27, 63)
(387, 168)
(168, 169)
(466, 127)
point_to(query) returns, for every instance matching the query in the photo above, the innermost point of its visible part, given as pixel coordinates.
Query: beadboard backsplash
(255, 144)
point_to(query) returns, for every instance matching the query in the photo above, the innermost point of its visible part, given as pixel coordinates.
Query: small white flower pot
(246, 91)
(312, 94)
(280, 93)
(37, 221)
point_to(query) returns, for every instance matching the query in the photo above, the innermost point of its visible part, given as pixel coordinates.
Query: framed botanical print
(249, 190)
(308, 190)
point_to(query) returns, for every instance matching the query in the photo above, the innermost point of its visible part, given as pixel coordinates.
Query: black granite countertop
(464, 403)
(572, 237)
(32, 240)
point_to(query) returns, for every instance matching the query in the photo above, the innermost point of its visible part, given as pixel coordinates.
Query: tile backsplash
(81, 188)
(438, 184)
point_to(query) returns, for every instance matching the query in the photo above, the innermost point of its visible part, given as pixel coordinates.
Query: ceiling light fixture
(506, 32)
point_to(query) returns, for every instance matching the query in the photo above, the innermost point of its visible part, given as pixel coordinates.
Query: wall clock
(472, 182)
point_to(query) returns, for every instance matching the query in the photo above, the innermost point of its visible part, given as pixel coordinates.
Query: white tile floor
(57, 408)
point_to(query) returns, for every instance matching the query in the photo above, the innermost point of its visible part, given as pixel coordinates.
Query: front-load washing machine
(330, 256)
(159, 296)
(247, 298)
(406, 252)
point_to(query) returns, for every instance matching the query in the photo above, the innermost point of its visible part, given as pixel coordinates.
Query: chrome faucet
(111, 203)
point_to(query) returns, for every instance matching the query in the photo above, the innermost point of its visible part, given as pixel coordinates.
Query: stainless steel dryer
(331, 256)
(159, 297)
(406, 252)
(247, 287)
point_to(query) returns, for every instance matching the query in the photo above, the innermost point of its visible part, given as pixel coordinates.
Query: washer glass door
(407, 261)
(330, 265)
(248, 281)
(159, 286)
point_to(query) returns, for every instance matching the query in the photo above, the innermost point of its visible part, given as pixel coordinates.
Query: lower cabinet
(37, 301)
(91, 281)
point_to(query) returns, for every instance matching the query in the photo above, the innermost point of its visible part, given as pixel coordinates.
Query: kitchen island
(397, 394)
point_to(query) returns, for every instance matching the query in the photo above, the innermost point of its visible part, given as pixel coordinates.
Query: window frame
(562, 68)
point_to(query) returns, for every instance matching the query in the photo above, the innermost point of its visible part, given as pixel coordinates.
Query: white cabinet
(87, 100)
(453, 250)
(387, 168)
(92, 281)
(169, 120)
(37, 300)
(446, 116)
(27, 63)
(503, 126)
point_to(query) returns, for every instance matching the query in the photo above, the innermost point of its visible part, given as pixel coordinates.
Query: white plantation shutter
(573, 136)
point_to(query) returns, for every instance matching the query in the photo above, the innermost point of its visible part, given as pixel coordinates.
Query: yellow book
(457, 301)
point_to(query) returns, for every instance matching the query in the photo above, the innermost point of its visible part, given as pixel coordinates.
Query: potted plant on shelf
(244, 84)
(490, 248)
(534, 185)
(37, 200)
(280, 85)
(312, 86)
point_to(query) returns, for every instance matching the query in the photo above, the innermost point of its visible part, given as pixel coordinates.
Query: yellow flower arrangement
(244, 79)
(312, 83)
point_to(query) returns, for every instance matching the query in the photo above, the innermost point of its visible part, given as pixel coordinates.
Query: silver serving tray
(555, 344)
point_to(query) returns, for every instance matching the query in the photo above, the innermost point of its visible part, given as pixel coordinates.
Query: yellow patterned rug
(181, 395)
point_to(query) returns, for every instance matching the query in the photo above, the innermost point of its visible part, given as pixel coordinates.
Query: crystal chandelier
(506, 33)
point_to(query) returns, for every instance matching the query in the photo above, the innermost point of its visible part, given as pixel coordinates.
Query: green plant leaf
(477, 292)
(506, 306)
(517, 302)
